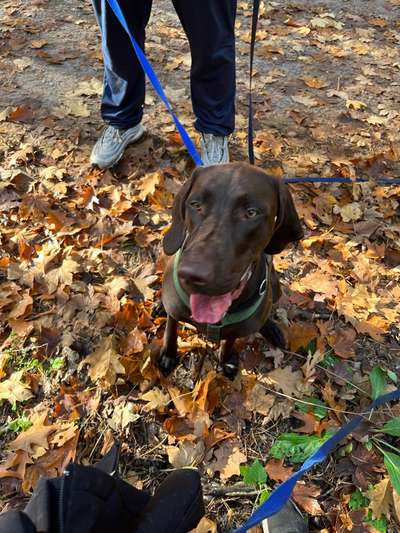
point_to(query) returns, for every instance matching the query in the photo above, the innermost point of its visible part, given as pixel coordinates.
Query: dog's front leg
(168, 359)
(229, 359)
(273, 334)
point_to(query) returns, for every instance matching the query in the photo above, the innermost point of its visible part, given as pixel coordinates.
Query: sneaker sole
(118, 155)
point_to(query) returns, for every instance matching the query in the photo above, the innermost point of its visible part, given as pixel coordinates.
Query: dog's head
(225, 217)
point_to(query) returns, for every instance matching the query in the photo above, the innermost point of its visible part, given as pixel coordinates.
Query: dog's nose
(194, 275)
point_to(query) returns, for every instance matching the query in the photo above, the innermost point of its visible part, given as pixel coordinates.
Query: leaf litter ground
(80, 265)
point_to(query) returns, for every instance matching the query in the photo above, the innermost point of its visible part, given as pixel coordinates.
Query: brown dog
(227, 221)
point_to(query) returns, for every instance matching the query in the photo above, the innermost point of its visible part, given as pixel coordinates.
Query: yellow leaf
(318, 282)
(14, 390)
(351, 212)
(355, 104)
(396, 504)
(314, 82)
(303, 30)
(104, 363)
(380, 498)
(156, 399)
(38, 43)
(148, 184)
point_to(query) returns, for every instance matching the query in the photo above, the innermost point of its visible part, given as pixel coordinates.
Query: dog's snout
(195, 275)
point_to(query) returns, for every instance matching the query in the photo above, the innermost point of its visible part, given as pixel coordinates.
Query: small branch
(302, 313)
(231, 492)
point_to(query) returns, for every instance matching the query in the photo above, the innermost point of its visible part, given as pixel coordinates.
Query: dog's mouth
(212, 309)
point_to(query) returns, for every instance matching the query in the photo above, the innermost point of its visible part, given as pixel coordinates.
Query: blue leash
(339, 179)
(282, 493)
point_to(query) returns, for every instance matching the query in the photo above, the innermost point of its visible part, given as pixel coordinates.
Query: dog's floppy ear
(175, 236)
(287, 225)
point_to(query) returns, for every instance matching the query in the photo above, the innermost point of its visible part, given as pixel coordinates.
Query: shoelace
(111, 134)
(214, 146)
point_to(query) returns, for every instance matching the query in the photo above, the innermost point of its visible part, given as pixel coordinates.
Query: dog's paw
(273, 334)
(166, 363)
(230, 365)
(159, 310)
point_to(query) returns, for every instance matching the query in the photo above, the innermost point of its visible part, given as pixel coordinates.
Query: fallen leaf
(63, 275)
(14, 389)
(51, 464)
(64, 433)
(104, 363)
(318, 282)
(156, 399)
(276, 470)
(228, 459)
(35, 438)
(310, 423)
(396, 504)
(92, 87)
(380, 498)
(350, 212)
(305, 496)
(285, 379)
(124, 414)
(259, 400)
(15, 465)
(279, 409)
(186, 454)
(355, 104)
(205, 526)
(21, 114)
(73, 107)
(134, 342)
(307, 101)
(314, 82)
(39, 43)
(148, 184)
(300, 334)
(343, 342)
(144, 280)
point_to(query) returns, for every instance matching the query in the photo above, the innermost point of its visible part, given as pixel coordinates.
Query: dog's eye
(252, 212)
(195, 204)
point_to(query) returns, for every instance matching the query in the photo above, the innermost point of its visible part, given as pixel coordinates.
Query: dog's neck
(252, 288)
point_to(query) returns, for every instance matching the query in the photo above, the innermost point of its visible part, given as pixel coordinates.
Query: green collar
(213, 331)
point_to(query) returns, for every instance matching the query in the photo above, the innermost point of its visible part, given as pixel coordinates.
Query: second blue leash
(282, 493)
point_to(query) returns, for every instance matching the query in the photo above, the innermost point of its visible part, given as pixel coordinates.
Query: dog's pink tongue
(210, 309)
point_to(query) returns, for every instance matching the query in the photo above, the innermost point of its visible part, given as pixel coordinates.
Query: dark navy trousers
(209, 26)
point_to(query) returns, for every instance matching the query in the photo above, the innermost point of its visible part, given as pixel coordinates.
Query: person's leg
(210, 28)
(124, 80)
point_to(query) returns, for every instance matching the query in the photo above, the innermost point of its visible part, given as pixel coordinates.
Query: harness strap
(213, 331)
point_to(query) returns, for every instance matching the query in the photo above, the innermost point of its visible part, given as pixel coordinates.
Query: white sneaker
(111, 145)
(214, 149)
